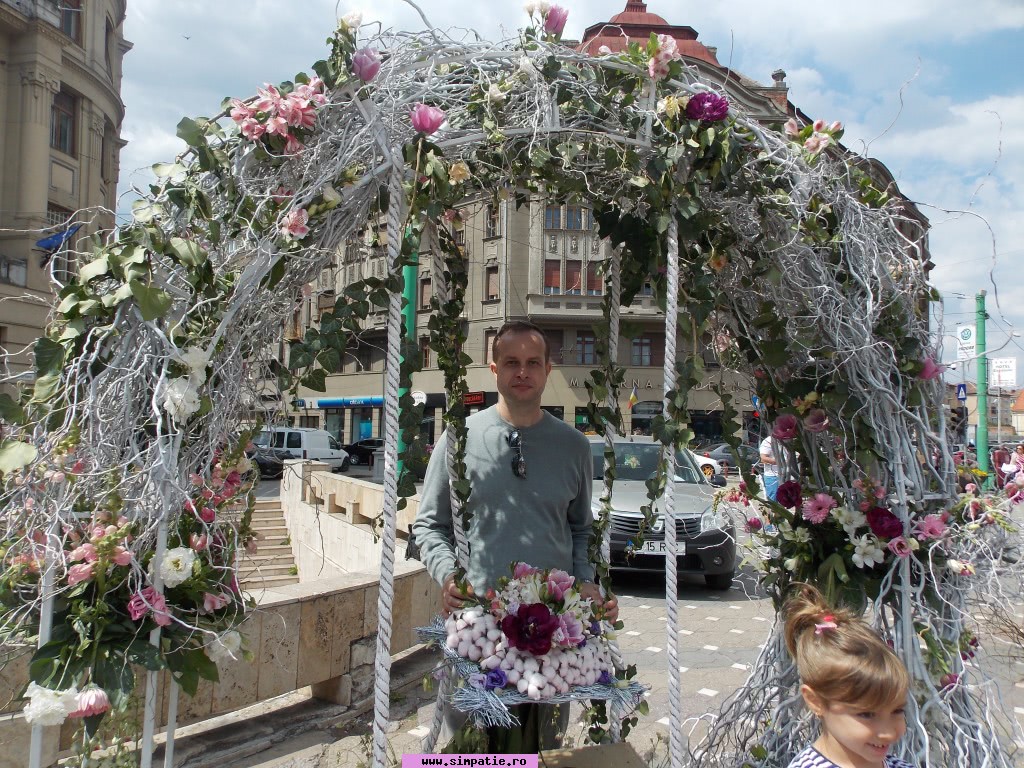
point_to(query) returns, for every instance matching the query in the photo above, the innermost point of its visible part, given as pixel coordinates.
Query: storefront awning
(340, 402)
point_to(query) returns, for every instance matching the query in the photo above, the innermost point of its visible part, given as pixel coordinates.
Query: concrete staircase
(273, 564)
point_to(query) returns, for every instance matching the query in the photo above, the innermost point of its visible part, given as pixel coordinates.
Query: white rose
(181, 398)
(47, 706)
(352, 20)
(225, 647)
(176, 566)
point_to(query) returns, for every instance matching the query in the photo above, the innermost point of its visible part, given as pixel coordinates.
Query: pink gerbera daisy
(817, 508)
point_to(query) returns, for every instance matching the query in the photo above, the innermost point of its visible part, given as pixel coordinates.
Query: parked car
(269, 461)
(303, 443)
(722, 453)
(712, 469)
(361, 451)
(706, 540)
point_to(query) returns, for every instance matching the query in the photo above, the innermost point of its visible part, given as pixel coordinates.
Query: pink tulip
(366, 64)
(754, 524)
(90, 702)
(819, 125)
(785, 427)
(835, 127)
(554, 22)
(79, 573)
(425, 119)
(559, 582)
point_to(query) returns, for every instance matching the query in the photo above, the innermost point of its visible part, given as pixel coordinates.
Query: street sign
(965, 342)
(961, 393)
(1003, 372)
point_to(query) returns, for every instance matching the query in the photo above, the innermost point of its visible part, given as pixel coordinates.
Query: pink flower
(86, 552)
(198, 542)
(146, 601)
(214, 602)
(366, 64)
(240, 111)
(754, 524)
(816, 142)
(817, 508)
(929, 369)
(930, 527)
(883, 523)
(208, 514)
(292, 145)
(836, 127)
(98, 532)
(559, 582)
(819, 125)
(707, 107)
(313, 90)
(899, 547)
(252, 128)
(196, 480)
(554, 22)
(785, 427)
(91, 701)
(269, 99)
(207, 493)
(277, 126)
(122, 556)
(571, 630)
(792, 128)
(523, 570)
(949, 680)
(970, 488)
(294, 224)
(298, 112)
(234, 477)
(816, 420)
(426, 120)
(79, 573)
(78, 467)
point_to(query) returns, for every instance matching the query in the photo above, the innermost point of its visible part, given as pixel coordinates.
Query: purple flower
(754, 524)
(530, 628)
(522, 570)
(605, 678)
(426, 120)
(554, 22)
(366, 64)
(785, 427)
(496, 678)
(789, 494)
(707, 107)
(477, 680)
(883, 523)
(816, 420)
(595, 627)
(572, 630)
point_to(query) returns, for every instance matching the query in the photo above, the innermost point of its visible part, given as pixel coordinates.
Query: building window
(553, 244)
(107, 152)
(553, 217)
(13, 271)
(426, 292)
(59, 219)
(62, 122)
(647, 289)
(108, 41)
(459, 236)
(574, 278)
(648, 349)
(585, 348)
(491, 283)
(492, 226)
(425, 352)
(573, 217)
(552, 276)
(71, 19)
(489, 337)
(555, 340)
(595, 285)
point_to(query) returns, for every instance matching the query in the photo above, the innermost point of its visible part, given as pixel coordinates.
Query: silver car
(706, 541)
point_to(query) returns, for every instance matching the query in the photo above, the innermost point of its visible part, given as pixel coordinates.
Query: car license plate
(661, 548)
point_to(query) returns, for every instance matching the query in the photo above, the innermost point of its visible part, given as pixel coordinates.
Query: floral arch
(123, 465)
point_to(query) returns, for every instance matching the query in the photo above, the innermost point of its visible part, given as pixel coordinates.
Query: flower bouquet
(533, 640)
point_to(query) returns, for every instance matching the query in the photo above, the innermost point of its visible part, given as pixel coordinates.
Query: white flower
(225, 647)
(352, 20)
(530, 8)
(181, 398)
(530, 590)
(800, 535)
(604, 50)
(177, 565)
(543, 6)
(195, 359)
(47, 706)
(866, 551)
(494, 94)
(330, 195)
(792, 564)
(527, 68)
(849, 519)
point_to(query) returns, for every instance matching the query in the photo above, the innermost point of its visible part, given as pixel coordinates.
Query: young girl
(851, 680)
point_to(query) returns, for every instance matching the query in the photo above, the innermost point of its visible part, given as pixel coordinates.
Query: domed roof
(635, 24)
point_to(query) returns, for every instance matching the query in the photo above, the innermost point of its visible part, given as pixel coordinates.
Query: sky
(932, 88)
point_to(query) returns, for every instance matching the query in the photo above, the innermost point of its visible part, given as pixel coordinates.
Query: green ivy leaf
(166, 170)
(49, 356)
(186, 251)
(14, 454)
(191, 133)
(153, 302)
(316, 380)
(10, 410)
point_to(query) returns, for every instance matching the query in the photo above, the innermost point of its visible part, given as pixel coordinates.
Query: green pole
(409, 321)
(981, 444)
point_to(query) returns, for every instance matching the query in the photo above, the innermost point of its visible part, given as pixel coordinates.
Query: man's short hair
(519, 326)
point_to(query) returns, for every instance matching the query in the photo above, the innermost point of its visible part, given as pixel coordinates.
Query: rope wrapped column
(385, 598)
(675, 729)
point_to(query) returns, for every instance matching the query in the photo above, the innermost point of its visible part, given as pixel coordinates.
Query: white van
(304, 443)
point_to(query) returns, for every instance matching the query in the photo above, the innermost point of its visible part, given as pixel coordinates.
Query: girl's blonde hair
(847, 663)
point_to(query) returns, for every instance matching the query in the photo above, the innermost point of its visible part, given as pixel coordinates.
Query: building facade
(538, 262)
(60, 85)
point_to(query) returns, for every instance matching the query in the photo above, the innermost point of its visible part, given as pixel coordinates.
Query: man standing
(770, 472)
(530, 475)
